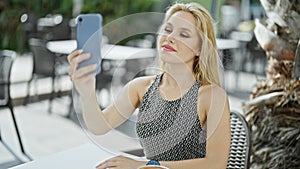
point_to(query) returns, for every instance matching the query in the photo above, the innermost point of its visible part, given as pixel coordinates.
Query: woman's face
(179, 41)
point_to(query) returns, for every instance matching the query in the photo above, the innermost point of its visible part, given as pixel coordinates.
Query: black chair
(45, 65)
(6, 60)
(29, 29)
(239, 156)
(61, 31)
(54, 27)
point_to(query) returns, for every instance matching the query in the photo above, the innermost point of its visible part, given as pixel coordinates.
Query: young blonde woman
(183, 119)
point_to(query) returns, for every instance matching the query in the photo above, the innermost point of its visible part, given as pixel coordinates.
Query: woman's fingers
(83, 78)
(77, 59)
(74, 54)
(71, 60)
(81, 57)
(119, 162)
(84, 71)
(106, 164)
(74, 59)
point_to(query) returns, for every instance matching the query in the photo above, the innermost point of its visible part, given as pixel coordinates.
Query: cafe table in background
(108, 51)
(118, 52)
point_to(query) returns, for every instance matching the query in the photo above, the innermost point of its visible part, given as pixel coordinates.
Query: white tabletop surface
(117, 52)
(227, 44)
(109, 51)
(86, 156)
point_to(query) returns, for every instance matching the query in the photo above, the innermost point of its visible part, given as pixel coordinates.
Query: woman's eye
(184, 35)
(168, 30)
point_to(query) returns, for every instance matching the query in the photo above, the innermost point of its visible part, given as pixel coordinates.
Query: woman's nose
(170, 38)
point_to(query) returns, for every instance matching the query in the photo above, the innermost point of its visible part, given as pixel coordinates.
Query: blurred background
(37, 116)
(21, 20)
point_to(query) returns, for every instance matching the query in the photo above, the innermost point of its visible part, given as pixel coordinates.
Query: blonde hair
(206, 65)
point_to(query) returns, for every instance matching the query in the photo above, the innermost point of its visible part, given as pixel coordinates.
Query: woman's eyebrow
(186, 29)
(168, 23)
(182, 28)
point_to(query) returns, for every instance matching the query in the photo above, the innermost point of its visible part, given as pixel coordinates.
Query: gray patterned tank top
(170, 130)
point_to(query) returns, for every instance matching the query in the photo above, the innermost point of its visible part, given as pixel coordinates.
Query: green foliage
(113, 9)
(11, 11)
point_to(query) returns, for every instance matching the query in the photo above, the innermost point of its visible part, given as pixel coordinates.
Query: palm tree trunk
(273, 109)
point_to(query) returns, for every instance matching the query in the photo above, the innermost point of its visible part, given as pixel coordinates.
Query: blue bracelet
(153, 162)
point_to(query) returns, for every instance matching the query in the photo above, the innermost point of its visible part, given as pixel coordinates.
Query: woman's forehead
(183, 19)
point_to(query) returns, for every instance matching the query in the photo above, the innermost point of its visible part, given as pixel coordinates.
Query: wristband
(153, 162)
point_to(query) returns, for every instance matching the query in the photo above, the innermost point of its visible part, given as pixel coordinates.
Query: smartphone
(89, 37)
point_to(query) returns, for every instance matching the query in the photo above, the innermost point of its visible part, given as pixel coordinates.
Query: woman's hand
(82, 78)
(120, 162)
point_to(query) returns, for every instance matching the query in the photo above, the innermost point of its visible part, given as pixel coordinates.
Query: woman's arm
(100, 122)
(213, 101)
(97, 121)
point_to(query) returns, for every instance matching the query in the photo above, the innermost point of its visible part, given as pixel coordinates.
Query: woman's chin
(169, 57)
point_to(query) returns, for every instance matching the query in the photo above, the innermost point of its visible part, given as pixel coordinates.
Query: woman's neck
(178, 76)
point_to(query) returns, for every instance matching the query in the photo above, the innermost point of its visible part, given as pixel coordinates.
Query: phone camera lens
(80, 19)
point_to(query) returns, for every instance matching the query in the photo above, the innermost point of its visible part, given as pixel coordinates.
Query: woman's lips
(168, 48)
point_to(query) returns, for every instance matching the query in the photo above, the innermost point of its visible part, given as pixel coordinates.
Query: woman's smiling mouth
(168, 48)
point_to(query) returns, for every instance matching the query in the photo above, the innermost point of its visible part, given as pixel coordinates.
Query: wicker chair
(239, 156)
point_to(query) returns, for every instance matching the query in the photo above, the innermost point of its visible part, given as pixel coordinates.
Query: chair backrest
(61, 31)
(239, 156)
(6, 60)
(43, 59)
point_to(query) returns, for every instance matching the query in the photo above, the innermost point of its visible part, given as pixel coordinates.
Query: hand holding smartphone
(88, 38)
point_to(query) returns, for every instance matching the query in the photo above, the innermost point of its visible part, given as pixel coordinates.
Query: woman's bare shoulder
(141, 84)
(211, 90)
(143, 81)
(212, 95)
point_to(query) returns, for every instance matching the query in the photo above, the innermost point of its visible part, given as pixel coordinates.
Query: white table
(85, 156)
(223, 44)
(109, 51)
(117, 52)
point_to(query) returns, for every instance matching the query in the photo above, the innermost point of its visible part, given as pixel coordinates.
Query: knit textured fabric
(170, 130)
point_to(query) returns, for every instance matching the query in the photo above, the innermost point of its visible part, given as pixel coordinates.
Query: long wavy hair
(206, 65)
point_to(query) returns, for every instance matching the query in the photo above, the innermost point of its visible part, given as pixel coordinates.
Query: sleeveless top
(170, 130)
